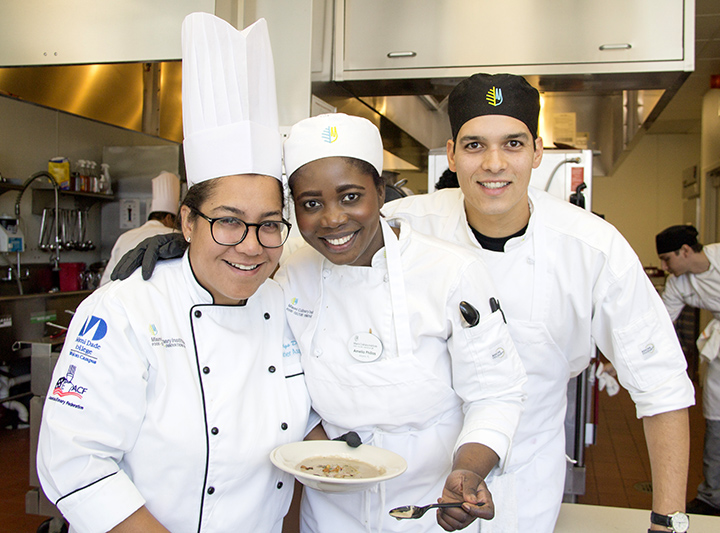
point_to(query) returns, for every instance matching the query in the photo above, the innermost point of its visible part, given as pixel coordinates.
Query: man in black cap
(695, 281)
(568, 282)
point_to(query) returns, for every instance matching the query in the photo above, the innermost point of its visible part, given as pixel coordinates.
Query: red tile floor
(617, 466)
(618, 471)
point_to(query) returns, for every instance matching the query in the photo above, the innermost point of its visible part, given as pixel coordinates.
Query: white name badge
(365, 347)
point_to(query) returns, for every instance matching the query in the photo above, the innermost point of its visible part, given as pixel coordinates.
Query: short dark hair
(159, 215)
(447, 180)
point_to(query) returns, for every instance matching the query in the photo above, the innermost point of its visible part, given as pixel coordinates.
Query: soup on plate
(339, 468)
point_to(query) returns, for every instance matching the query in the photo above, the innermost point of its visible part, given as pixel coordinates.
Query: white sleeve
(487, 371)
(92, 415)
(672, 298)
(633, 330)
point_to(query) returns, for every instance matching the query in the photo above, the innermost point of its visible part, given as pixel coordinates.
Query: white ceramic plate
(289, 456)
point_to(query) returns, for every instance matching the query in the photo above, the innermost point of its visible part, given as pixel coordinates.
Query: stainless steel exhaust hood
(609, 109)
(143, 97)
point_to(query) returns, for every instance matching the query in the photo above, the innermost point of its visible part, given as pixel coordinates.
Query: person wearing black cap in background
(568, 282)
(695, 281)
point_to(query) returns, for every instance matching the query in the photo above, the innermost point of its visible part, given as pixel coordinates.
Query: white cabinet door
(421, 34)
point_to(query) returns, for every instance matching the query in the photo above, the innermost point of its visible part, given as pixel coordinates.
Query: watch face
(679, 522)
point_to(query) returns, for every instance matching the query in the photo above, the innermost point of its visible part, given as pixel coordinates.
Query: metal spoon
(415, 511)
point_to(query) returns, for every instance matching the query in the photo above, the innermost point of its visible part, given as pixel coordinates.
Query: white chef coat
(700, 290)
(161, 398)
(434, 386)
(571, 282)
(129, 240)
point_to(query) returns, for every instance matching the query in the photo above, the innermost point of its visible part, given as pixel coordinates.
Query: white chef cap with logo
(229, 104)
(332, 135)
(165, 193)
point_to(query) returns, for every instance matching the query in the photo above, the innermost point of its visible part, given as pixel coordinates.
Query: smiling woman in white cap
(384, 354)
(169, 394)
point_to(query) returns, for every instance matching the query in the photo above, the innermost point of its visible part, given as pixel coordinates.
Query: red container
(70, 276)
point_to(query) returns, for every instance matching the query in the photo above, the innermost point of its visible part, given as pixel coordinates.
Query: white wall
(710, 160)
(644, 195)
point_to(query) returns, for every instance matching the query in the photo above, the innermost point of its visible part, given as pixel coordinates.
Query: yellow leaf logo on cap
(329, 134)
(494, 97)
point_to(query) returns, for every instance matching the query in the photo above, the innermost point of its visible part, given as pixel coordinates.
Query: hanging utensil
(41, 233)
(82, 226)
(46, 246)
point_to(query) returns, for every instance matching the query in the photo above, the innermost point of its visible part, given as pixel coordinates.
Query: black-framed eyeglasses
(230, 231)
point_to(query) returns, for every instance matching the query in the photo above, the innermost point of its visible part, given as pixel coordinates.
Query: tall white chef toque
(333, 135)
(230, 119)
(165, 193)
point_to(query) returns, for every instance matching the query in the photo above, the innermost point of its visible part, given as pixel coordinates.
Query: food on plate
(339, 468)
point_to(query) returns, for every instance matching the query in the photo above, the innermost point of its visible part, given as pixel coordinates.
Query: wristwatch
(678, 521)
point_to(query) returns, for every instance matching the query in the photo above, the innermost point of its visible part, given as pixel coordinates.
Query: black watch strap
(660, 519)
(675, 522)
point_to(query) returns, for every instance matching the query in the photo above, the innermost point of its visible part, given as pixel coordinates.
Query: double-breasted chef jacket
(421, 385)
(703, 291)
(569, 284)
(161, 398)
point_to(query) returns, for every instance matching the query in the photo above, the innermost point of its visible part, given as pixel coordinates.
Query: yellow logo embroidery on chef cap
(494, 97)
(329, 134)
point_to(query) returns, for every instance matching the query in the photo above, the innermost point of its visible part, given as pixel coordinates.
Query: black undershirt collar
(496, 244)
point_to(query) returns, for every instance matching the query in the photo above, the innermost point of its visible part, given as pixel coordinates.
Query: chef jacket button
(214, 431)
(326, 273)
(198, 314)
(271, 369)
(317, 352)
(211, 490)
(280, 484)
(267, 316)
(530, 261)
(385, 278)
(206, 370)
(284, 426)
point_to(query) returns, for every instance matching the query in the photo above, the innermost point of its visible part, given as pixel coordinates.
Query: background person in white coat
(374, 307)
(163, 210)
(695, 280)
(170, 394)
(568, 282)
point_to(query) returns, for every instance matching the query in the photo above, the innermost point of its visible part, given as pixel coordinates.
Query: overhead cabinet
(39, 32)
(416, 38)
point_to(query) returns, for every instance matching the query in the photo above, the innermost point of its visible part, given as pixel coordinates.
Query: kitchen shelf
(44, 197)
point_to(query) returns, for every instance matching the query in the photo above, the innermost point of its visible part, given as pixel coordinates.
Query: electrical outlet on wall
(129, 214)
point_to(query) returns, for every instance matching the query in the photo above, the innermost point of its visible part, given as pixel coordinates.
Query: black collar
(495, 244)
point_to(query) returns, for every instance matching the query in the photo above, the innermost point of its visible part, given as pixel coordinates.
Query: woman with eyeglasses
(170, 394)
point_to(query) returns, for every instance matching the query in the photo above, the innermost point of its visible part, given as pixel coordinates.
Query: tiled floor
(14, 475)
(618, 472)
(617, 466)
